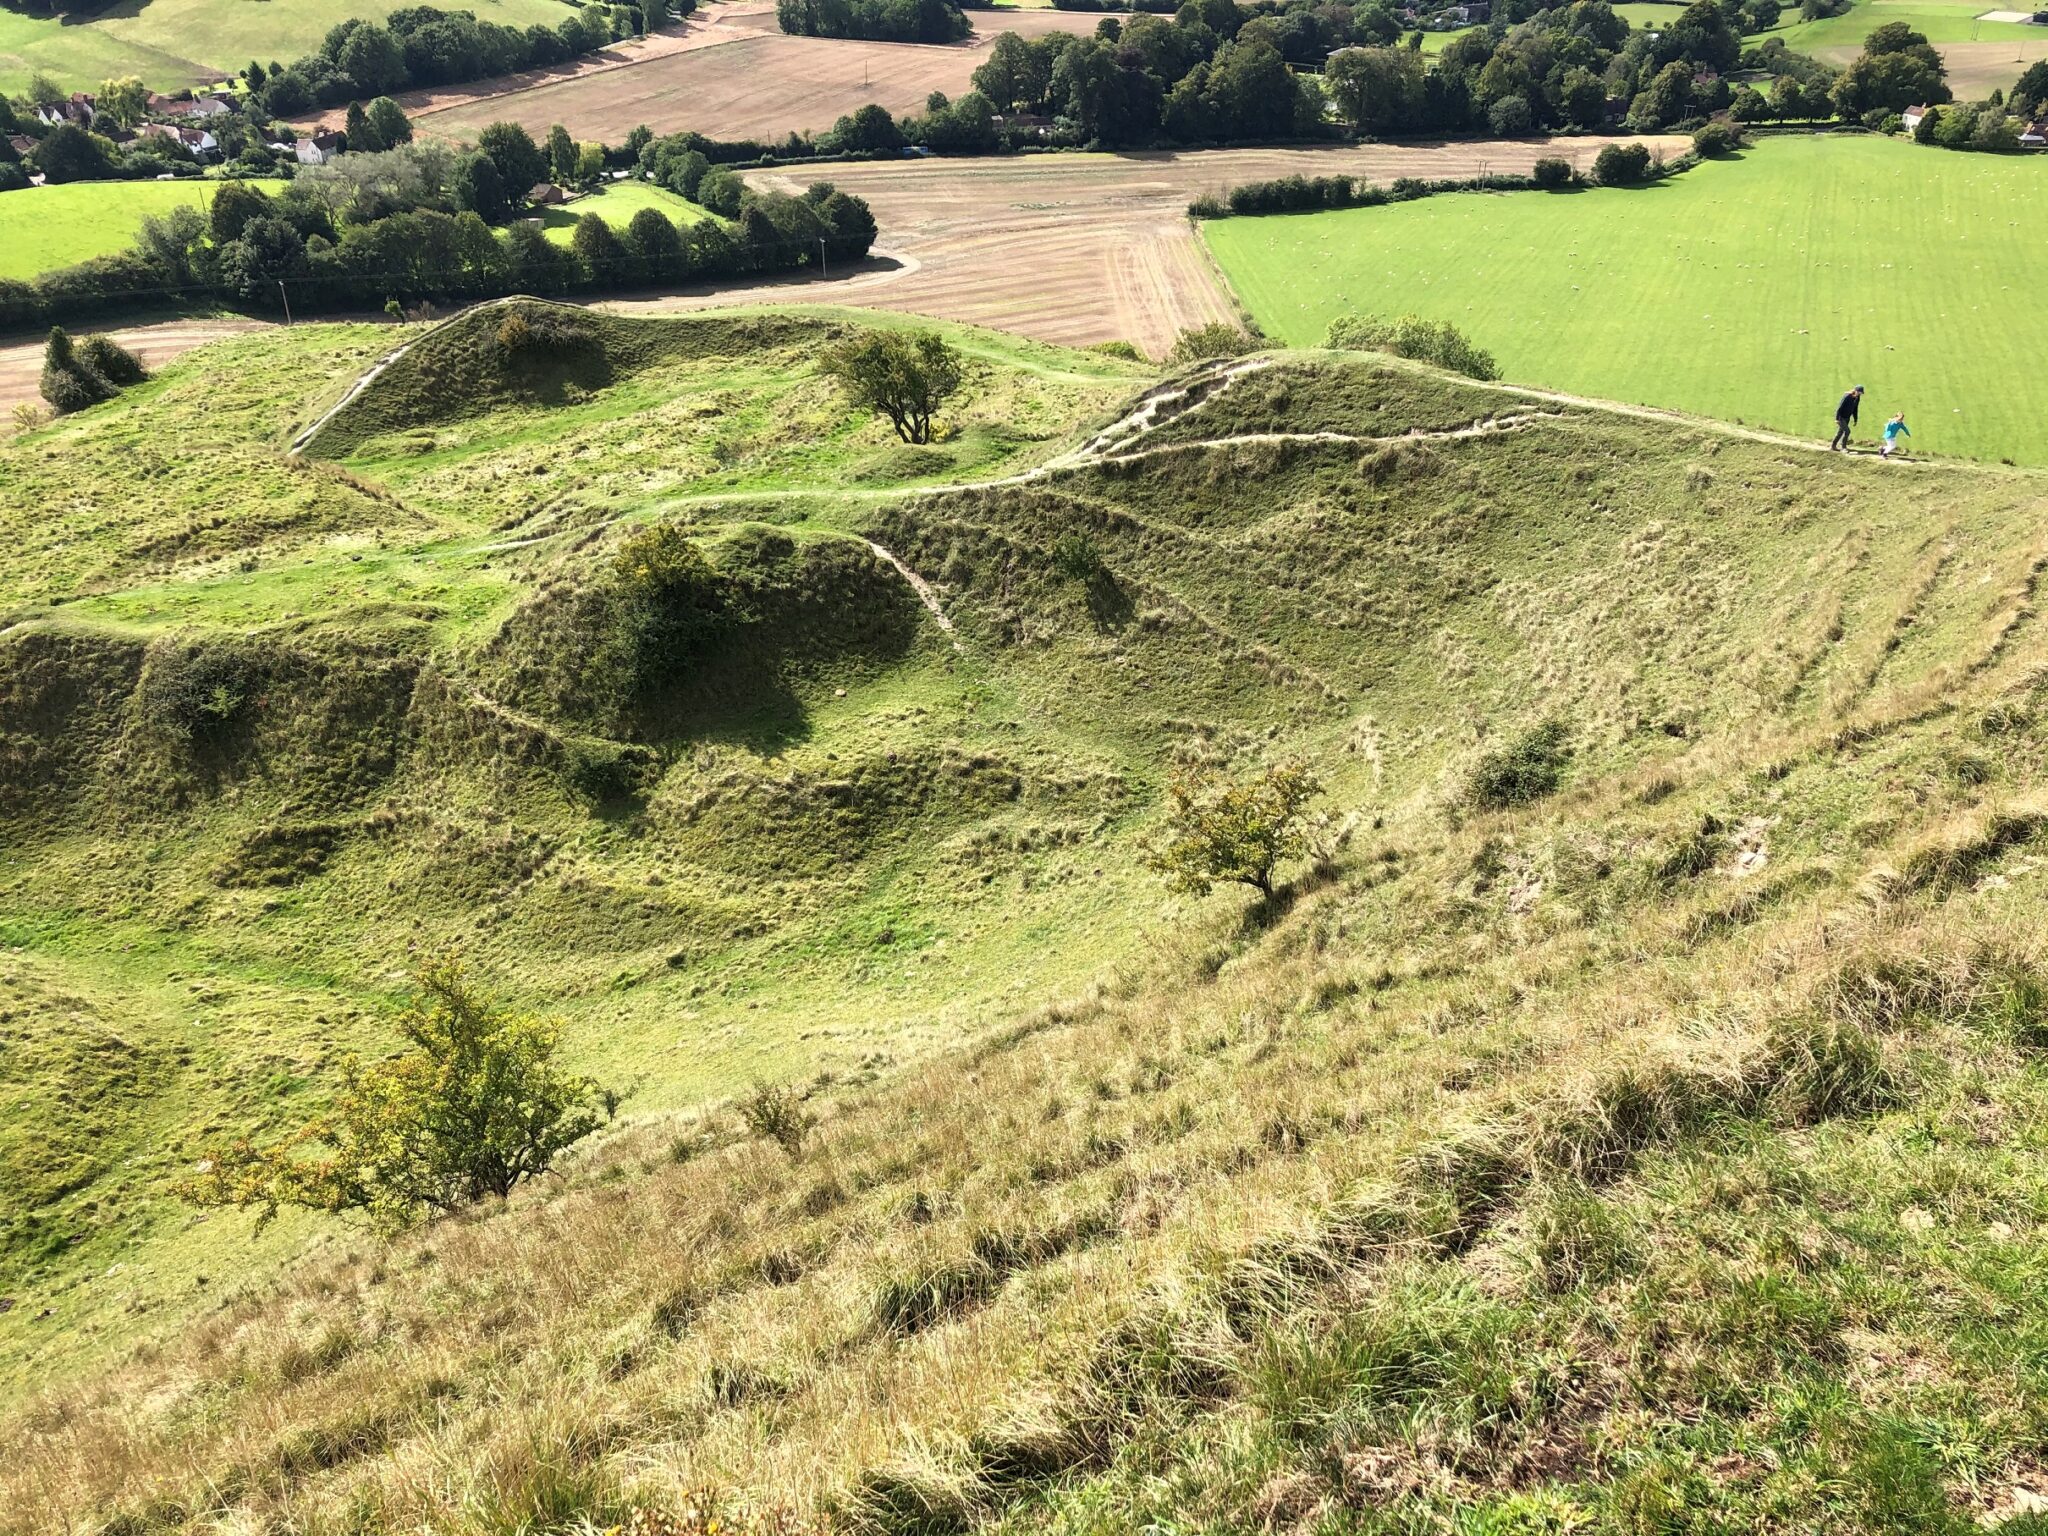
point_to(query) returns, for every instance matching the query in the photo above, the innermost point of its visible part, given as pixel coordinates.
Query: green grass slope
(172, 43)
(398, 772)
(1911, 279)
(1662, 1153)
(43, 228)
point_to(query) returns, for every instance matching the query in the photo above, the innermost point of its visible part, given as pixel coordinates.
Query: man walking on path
(1845, 417)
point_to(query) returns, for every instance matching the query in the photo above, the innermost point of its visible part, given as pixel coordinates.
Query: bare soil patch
(1975, 70)
(731, 74)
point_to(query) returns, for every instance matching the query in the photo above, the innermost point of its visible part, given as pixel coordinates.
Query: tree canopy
(473, 1107)
(904, 375)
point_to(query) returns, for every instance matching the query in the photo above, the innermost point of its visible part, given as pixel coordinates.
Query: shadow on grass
(1264, 913)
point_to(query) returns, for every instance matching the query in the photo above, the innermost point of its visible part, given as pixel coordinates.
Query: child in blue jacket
(1893, 430)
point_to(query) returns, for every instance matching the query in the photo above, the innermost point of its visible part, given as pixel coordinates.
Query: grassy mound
(533, 352)
(1627, 1116)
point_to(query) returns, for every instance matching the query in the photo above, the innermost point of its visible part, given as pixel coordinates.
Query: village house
(198, 140)
(317, 148)
(78, 109)
(2035, 134)
(1910, 118)
(158, 105)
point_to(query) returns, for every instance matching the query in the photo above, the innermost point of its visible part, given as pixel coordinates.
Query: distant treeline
(880, 21)
(407, 226)
(1216, 72)
(421, 46)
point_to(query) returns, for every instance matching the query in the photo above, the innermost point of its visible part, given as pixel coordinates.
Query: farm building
(2035, 134)
(1910, 118)
(545, 194)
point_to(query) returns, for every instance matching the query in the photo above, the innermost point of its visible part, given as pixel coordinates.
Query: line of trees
(416, 223)
(422, 46)
(1214, 72)
(881, 21)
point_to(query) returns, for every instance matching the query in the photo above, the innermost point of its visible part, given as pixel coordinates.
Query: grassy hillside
(1659, 1154)
(398, 772)
(1912, 282)
(171, 43)
(42, 228)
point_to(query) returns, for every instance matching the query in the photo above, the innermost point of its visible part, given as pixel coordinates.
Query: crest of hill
(535, 352)
(1526, 1158)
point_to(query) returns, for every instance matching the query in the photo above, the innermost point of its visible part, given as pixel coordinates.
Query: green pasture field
(1980, 55)
(42, 228)
(1754, 291)
(171, 43)
(1943, 21)
(618, 203)
(1653, 15)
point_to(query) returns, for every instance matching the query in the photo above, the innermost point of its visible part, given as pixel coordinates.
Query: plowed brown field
(731, 74)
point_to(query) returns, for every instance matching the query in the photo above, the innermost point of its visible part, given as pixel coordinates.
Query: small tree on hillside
(476, 1106)
(1426, 341)
(1203, 343)
(69, 383)
(111, 361)
(1235, 831)
(903, 375)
